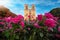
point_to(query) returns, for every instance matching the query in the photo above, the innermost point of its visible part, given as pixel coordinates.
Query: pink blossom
(57, 35)
(1, 30)
(50, 29)
(22, 24)
(58, 29)
(49, 15)
(36, 25)
(2, 23)
(17, 30)
(28, 28)
(40, 17)
(8, 19)
(17, 19)
(9, 26)
(56, 18)
(32, 21)
(50, 23)
(20, 17)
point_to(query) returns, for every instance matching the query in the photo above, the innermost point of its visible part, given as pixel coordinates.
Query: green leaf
(41, 34)
(17, 36)
(7, 33)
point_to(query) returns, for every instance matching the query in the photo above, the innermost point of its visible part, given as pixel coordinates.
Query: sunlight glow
(4, 2)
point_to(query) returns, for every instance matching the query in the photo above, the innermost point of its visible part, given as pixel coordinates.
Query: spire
(26, 6)
(33, 7)
(26, 12)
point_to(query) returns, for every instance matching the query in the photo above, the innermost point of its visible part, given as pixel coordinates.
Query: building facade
(29, 14)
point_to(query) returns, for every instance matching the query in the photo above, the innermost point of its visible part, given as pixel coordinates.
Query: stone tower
(29, 14)
(33, 14)
(26, 12)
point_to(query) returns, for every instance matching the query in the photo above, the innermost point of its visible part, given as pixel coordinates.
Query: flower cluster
(13, 25)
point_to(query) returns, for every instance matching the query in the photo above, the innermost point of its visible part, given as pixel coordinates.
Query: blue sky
(42, 6)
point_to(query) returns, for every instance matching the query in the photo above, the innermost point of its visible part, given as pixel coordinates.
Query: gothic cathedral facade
(29, 14)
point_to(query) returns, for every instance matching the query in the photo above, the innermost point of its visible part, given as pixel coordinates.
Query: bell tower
(26, 12)
(33, 14)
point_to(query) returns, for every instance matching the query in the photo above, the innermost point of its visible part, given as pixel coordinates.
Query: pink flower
(17, 19)
(2, 23)
(40, 17)
(32, 21)
(1, 30)
(56, 18)
(49, 15)
(36, 25)
(17, 30)
(22, 24)
(50, 29)
(9, 26)
(57, 35)
(8, 19)
(50, 23)
(58, 29)
(28, 28)
(20, 17)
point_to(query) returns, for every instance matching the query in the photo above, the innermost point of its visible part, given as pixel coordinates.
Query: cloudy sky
(42, 6)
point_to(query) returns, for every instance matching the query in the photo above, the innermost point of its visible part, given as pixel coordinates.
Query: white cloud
(4, 2)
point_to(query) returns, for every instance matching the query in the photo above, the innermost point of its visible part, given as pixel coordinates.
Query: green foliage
(55, 12)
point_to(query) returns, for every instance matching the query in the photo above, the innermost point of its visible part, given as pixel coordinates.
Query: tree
(5, 12)
(55, 12)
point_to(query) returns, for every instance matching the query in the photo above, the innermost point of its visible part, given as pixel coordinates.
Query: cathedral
(29, 13)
